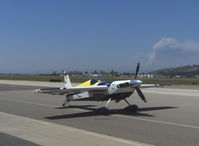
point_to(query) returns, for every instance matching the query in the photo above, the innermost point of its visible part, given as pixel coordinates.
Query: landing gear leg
(108, 102)
(132, 107)
(104, 108)
(127, 102)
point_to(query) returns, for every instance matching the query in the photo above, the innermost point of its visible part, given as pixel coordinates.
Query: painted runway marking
(159, 122)
(45, 133)
(123, 116)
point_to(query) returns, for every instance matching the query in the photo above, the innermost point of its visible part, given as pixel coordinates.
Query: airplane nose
(135, 83)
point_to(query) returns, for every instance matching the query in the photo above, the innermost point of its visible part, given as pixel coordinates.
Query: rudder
(67, 83)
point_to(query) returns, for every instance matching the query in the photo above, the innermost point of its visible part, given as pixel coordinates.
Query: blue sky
(41, 36)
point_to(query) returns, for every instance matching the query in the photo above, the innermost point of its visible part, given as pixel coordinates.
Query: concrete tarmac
(7, 140)
(170, 117)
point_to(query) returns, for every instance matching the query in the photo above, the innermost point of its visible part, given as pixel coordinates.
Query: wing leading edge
(72, 90)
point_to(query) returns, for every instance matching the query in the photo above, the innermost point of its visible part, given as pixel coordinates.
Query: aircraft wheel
(135, 107)
(132, 107)
(103, 110)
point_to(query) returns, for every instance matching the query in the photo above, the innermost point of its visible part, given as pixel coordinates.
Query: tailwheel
(63, 105)
(132, 107)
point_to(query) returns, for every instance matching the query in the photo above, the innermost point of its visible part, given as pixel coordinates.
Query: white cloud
(168, 44)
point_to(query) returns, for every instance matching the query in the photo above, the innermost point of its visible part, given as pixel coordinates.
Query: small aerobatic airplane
(95, 90)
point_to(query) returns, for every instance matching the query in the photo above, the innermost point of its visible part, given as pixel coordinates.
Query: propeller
(141, 94)
(137, 70)
(135, 84)
(139, 83)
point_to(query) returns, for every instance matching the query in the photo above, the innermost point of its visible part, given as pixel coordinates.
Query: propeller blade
(137, 70)
(141, 94)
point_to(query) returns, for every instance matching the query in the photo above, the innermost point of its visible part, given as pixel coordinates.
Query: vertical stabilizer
(67, 83)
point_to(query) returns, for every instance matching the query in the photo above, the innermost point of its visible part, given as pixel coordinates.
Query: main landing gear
(132, 107)
(105, 108)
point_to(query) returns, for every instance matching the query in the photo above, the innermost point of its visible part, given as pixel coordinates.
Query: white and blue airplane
(95, 90)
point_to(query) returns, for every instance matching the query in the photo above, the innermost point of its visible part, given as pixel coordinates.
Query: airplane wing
(71, 91)
(149, 85)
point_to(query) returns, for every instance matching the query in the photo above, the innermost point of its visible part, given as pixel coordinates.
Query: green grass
(47, 78)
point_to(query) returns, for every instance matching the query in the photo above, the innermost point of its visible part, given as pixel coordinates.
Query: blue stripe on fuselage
(105, 83)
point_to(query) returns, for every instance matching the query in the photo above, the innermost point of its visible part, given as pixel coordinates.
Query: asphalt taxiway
(170, 117)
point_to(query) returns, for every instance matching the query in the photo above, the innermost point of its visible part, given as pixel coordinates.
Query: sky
(42, 36)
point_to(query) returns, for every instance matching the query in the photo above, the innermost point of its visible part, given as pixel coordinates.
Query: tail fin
(67, 83)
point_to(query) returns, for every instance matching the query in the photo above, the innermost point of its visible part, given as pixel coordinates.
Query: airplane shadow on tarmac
(95, 112)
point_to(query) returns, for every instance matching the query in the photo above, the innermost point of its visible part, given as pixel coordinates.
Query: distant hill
(187, 71)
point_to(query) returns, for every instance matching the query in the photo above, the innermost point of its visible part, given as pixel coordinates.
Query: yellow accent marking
(87, 83)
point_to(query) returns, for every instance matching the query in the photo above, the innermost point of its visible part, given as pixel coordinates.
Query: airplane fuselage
(115, 92)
